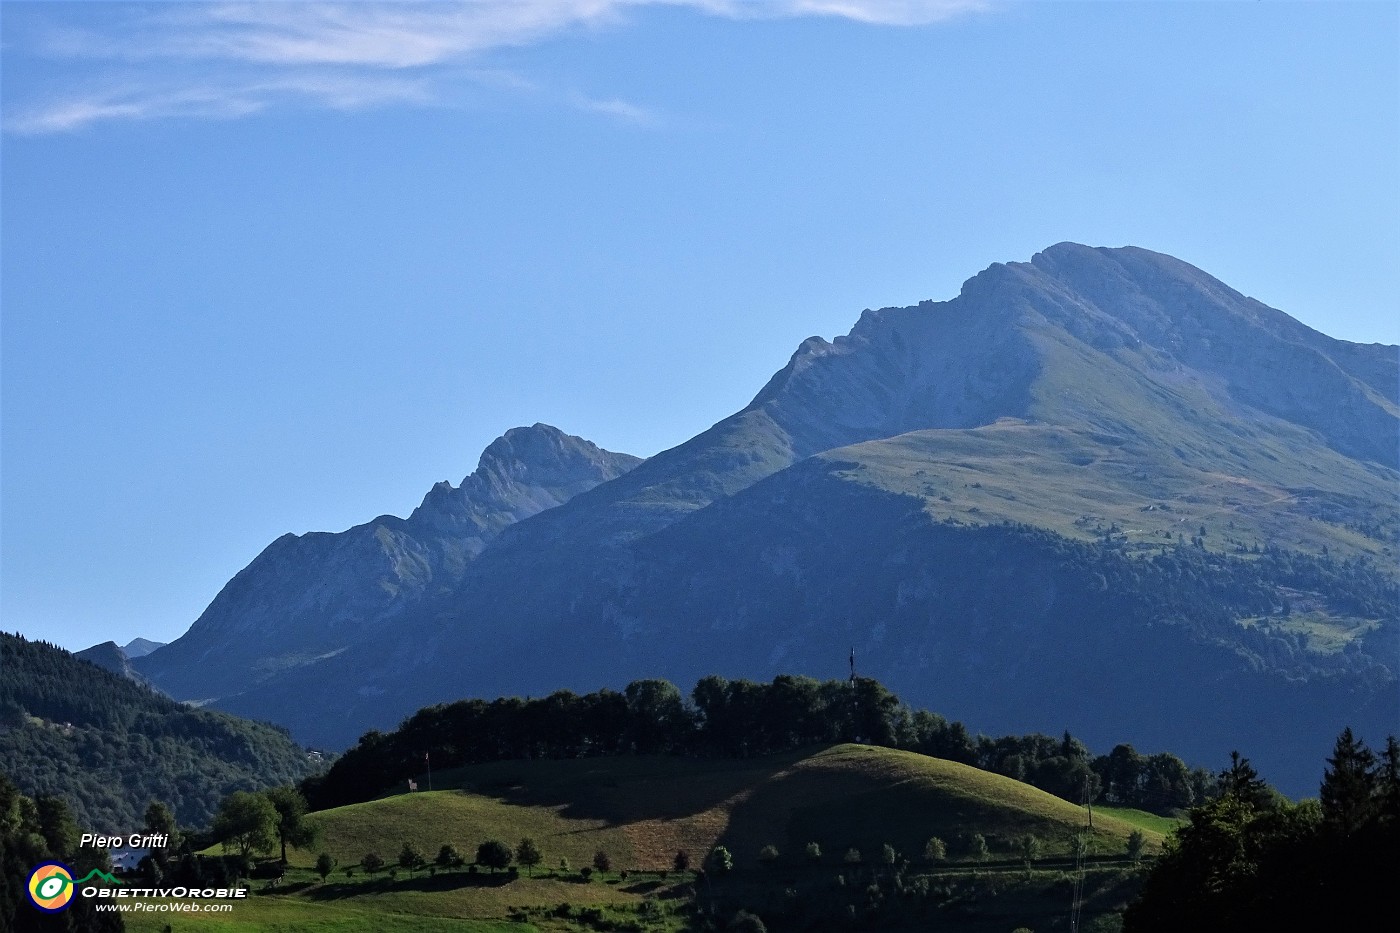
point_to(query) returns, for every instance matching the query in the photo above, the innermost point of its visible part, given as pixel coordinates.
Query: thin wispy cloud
(225, 60)
(614, 108)
(222, 100)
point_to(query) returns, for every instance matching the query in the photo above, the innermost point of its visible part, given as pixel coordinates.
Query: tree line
(741, 718)
(1249, 860)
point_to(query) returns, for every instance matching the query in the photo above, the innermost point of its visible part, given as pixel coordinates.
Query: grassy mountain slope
(642, 810)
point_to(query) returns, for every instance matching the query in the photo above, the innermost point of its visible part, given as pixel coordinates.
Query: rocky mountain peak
(543, 455)
(312, 595)
(522, 472)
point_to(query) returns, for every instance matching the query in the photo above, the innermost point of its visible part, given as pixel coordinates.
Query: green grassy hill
(642, 810)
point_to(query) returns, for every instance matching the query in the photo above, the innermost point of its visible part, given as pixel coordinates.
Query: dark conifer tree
(1349, 785)
(1388, 789)
(1243, 783)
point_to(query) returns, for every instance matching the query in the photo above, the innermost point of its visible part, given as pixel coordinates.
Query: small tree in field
(528, 854)
(888, 855)
(1137, 844)
(852, 856)
(1030, 848)
(448, 857)
(682, 860)
(601, 861)
(293, 828)
(494, 854)
(768, 855)
(246, 824)
(979, 848)
(372, 863)
(324, 865)
(814, 853)
(935, 850)
(410, 858)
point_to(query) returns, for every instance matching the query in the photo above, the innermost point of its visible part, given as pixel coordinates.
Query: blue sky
(273, 268)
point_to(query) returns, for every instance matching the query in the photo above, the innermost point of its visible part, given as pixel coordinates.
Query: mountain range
(1101, 490)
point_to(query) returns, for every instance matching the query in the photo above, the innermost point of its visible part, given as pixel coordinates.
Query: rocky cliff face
(308, 597)
(1111, 407)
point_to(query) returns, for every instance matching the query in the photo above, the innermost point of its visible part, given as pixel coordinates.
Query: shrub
(1030, 848)
(720, 860)
(1137, 844)
(935, 850)
(978, 847)
(768, 854)
(852, 856)
(814, 852)
(682, 860)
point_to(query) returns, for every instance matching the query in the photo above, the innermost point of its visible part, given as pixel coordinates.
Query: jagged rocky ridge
(308, 597)
(1117, 400)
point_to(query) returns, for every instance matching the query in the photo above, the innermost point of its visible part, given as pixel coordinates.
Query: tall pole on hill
(851, 687)
(429, 765)
(1080, 853)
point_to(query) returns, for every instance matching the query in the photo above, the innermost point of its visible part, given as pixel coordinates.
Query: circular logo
(51, 887)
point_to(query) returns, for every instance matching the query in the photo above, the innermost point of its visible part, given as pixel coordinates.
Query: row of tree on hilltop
(741, 718)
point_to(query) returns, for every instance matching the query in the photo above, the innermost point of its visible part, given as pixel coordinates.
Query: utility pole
(1080, 853)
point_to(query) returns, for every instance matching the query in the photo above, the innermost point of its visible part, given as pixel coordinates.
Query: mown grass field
(1148, 822)
(300, 915)
(641, 811)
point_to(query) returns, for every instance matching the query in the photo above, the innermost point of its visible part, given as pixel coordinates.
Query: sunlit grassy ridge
(1081, 483)
(642, 810)
(1149, 822)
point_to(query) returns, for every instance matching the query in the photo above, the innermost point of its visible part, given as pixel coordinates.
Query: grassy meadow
(641, 811)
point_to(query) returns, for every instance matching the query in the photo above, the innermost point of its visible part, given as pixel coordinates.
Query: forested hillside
(109, 746)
